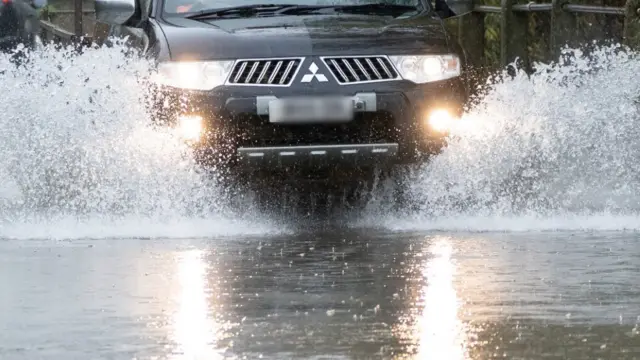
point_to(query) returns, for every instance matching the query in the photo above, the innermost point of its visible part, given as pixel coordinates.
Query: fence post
(562, 22)
(100, 32)
(513, 35)
(632, 24)
(77, 14)
(471, 36)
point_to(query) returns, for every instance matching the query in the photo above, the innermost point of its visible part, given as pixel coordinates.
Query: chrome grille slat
(286, 72)
(344, 76)
(375, 71)
(275, 72)
(366, 74)
(361, 69)
(384, 67)
(254, 67)
(264, 72)
(353, 72)
(237, 77)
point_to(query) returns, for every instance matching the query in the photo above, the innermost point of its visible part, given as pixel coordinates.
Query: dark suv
(302, 84)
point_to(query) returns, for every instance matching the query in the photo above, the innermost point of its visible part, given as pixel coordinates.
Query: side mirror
(460, 7)
(114, 12)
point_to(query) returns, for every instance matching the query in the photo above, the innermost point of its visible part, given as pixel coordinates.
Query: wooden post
(513, 36)
(100, 32)
(562, 24)
(77, 13)
(632, 24)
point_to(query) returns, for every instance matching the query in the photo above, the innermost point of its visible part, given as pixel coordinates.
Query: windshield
(190, 6)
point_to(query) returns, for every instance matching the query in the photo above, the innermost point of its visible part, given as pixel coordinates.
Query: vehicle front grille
(271, 72)
(359, 69)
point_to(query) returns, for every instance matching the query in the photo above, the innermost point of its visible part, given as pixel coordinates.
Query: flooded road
(345, 294)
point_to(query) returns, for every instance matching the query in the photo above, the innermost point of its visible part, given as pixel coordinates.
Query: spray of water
(558, 149)
(78, 156)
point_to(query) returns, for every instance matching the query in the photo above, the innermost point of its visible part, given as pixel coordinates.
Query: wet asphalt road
(344, 294)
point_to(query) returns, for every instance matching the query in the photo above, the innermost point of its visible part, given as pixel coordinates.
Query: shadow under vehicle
(301, 90)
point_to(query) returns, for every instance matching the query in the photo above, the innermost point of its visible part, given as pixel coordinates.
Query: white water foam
(79, 159)
(557, 150)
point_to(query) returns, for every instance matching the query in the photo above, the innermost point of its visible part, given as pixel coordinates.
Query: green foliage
(46, 11)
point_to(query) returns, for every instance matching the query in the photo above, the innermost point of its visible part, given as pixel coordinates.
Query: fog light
(190, 127)
(441, 120)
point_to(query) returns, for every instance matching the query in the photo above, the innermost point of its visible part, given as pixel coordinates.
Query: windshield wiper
(288, 9)
(245, 10)
(375, 8)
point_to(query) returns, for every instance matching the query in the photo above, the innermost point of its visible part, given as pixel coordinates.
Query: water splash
(76, 150)
(555, 150)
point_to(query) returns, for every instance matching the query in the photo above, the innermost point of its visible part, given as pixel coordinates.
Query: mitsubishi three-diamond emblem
(314, 74)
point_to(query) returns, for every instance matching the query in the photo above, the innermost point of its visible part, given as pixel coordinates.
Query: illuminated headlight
(441, 120)
(190, 127)
(194, 75)
(427, 68)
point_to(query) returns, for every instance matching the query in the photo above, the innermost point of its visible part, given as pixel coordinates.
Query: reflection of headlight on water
(194, 330)
(441, 333)
(190, 127)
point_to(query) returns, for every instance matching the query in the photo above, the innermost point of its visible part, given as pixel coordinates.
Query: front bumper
(389, 124)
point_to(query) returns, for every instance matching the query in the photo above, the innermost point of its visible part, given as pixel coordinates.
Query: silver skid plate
(318, 154)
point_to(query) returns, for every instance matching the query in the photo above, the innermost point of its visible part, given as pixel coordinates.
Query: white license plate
(311, 110)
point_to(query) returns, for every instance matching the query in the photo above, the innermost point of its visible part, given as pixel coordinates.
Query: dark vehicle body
(274, 60)
(19, 24)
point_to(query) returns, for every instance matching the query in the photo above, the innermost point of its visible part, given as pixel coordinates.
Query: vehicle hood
(302, 36)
